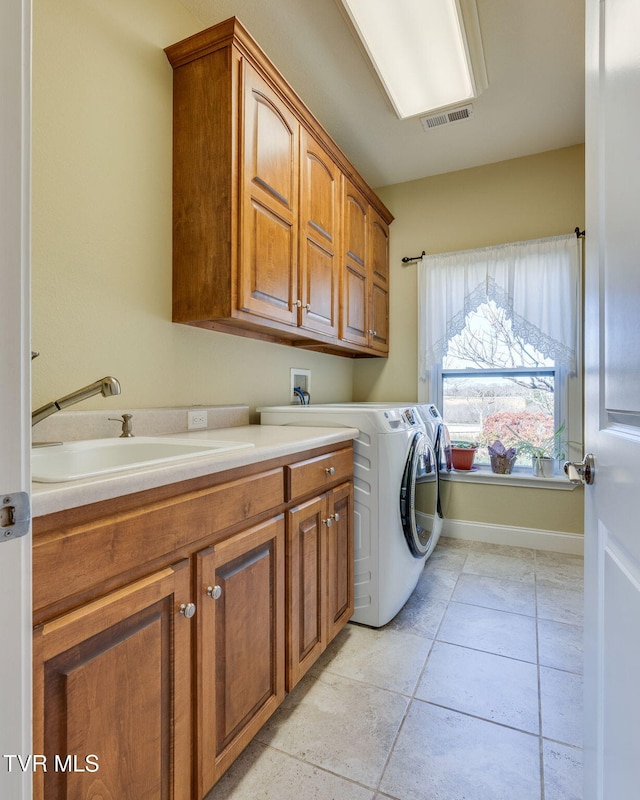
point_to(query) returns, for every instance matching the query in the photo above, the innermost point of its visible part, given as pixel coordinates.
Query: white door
(15, 553)
(612, 402)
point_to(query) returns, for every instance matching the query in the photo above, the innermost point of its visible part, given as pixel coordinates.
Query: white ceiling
(534, 54)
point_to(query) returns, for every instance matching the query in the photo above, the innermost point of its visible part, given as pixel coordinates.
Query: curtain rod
(407, 259)
(579, 234)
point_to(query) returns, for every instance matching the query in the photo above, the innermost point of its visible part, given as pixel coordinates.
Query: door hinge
(15, 515)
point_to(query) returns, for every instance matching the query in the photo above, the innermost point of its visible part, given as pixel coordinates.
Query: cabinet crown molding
(232, 33)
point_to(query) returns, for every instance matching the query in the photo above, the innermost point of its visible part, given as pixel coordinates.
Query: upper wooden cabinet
(379, 276)
(355, 275)
(320, 226)
(261, 207)
(268, 274)
(365, 275)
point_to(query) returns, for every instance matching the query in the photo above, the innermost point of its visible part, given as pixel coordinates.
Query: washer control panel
(409, 416)
(401, 418)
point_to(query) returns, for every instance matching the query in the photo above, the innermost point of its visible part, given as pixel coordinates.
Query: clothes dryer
(392, 452)
(423, 537)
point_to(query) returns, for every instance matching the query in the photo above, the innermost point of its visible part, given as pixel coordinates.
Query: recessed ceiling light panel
(418, 49)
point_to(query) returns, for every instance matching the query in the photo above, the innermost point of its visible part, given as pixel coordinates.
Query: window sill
(520, 479)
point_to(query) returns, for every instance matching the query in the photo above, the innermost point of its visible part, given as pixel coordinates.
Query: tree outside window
(496, 385)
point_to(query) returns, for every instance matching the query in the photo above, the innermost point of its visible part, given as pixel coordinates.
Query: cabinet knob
(298, 303)
(214, 592)
(308, 307)
(328, 522)
(187, 609)
(330, 470)
(336, 516)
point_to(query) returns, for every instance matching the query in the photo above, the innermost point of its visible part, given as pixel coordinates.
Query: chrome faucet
(107, 387)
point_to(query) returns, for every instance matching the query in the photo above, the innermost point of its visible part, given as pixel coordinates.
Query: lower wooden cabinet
(240, 644)
(306, 578)
(319, 576)
(340, 586)
(112, 695)
(168, 625)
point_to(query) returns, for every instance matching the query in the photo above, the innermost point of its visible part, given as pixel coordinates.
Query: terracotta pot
(462, 457)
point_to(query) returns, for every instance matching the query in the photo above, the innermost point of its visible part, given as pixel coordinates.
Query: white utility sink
(86, 459)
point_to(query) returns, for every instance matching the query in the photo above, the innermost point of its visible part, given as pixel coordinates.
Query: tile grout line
(311, 764)
(479, 718)
(412, 697)
(499, 655)
(541, 738)
(435, 639)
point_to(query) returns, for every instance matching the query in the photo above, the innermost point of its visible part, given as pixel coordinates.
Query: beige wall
(526, 198)
(541, 509)
(102, 98)
(102, 108)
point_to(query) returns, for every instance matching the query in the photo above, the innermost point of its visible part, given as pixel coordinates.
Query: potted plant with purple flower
(502, 459)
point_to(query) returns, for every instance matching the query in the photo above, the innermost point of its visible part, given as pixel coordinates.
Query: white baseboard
(557, 541)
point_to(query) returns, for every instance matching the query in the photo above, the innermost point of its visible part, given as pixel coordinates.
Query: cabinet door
(355, 279)
(379, 278)
(306, 579)
(319, 238)
(112, 679)
(268, 268)
(340, 588)
(319, 576)
(240, 645)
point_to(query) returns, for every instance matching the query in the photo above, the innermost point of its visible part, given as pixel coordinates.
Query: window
(499, 348)
(494, 385)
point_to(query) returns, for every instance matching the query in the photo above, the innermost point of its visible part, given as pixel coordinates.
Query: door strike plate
(15, 515)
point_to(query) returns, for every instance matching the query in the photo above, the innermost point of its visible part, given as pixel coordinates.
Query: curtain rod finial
(407, 259)
(580, 234)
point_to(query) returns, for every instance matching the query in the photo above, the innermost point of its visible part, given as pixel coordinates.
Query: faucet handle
(126, 423)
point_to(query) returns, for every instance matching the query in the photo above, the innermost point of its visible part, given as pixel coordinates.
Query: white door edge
(15, 390)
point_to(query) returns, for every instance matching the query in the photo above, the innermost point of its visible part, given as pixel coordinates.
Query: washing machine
(431, 495)
(437, 433)
(392, 454)
(430, 417)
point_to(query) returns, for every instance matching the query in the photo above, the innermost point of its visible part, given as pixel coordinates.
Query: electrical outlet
(196, 419)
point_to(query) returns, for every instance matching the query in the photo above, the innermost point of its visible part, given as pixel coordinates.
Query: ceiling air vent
(447, 117)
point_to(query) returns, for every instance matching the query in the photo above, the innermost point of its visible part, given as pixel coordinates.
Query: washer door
(442, 447)
(442, 450)
(421, 466)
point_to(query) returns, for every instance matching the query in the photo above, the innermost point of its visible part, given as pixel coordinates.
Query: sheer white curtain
(536, 282)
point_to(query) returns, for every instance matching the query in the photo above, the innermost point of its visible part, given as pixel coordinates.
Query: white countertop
(270, 441)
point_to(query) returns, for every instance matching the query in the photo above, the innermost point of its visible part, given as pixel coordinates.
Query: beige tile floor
(473, 692)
